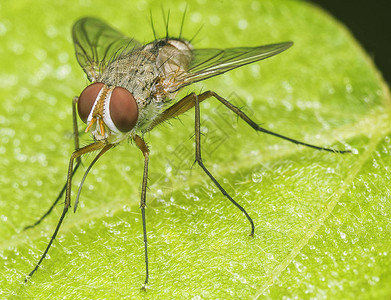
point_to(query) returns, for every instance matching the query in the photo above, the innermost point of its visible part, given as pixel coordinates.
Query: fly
(133, 89)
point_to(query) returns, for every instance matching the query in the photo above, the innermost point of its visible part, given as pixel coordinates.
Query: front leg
(89, 148)
(78, 162)
(144, 149)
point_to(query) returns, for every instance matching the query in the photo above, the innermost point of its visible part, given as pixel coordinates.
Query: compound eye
(87, 99)
(123, 109)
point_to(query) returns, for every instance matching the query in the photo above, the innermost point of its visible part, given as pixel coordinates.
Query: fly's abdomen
(174, 56)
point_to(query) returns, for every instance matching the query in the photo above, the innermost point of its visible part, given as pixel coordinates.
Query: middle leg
(198, 159)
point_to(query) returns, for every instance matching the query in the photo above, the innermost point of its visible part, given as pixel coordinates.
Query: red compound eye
(123, 109)
(87, 99)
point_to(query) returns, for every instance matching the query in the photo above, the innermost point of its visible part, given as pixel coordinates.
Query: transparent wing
(207, 63)
(96, 44)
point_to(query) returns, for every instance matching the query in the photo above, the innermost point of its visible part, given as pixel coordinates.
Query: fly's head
(110, 112)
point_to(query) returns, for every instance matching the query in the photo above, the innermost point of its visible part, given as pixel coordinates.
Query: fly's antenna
(183, 22)
(153, 27)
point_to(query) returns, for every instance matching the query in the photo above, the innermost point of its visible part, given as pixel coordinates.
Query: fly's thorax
(136, 71)
(110, 112)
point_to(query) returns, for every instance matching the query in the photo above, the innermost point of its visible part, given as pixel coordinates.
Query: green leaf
(321, 219)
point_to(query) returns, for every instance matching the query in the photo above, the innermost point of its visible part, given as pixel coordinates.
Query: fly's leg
(107, 147)
(198, 159)
(144, 149)
(75, 127)
(187, 103)
(55, 202)
(254, 125)
(89, 148)
(193, 100)
(78, 162)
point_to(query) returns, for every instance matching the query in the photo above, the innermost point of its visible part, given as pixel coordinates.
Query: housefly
(133, 89)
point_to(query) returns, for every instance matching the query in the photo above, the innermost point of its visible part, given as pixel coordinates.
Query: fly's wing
(206, 63)
(96, 44)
